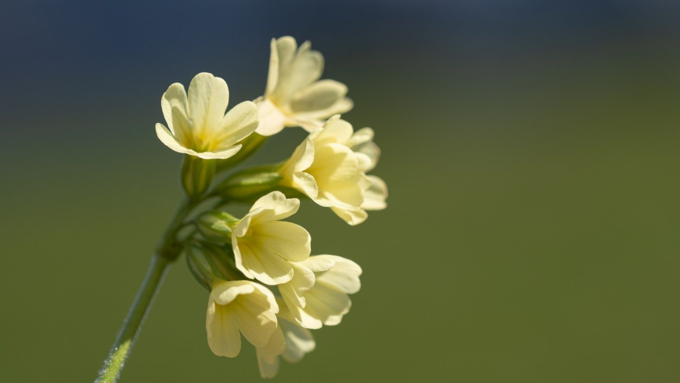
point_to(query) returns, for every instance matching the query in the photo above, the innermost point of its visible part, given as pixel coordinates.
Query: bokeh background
(530, 147)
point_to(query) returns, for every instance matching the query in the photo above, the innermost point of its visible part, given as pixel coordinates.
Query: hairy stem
(169, 248)
(128, 333)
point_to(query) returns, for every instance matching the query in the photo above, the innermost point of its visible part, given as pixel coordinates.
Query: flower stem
(169, 248)
(128, 333)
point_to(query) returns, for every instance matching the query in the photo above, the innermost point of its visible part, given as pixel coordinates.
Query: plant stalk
(133, 322)
(167, 252)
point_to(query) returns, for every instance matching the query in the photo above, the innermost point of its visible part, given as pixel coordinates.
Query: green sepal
(197, 175)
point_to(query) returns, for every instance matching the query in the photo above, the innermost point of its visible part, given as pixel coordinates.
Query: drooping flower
(239, 307)
(294, 95)
(264, 246)
(197, 124)
(330, 167)
(331, 278)
(290, 341)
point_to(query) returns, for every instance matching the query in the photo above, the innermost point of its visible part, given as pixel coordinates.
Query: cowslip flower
(290, 341)
(264, 246)
(239, 307)
(330, 168)
(294, 95)
(197, 124)
(331, 279)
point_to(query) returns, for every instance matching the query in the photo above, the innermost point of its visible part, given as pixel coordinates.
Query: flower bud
(197, 174)
(251, 184)
(208, 261)
(216, 225)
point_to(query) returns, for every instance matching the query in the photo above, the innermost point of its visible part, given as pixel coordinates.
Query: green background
(531, 233)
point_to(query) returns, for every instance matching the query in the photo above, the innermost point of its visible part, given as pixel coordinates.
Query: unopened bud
(251, 184)
(208, 262)
(216, 225)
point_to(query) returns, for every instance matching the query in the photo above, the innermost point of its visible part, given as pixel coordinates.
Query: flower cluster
(264, 282)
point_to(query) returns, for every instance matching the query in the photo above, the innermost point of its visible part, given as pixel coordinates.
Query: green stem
(128, 333)
(168, 250)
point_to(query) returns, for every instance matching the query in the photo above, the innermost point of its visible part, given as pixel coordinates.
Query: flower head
(290, 341)
(294, 94)
(264, 246)
(319, 296)
(239, 307)
(197, 124)
(330, 167)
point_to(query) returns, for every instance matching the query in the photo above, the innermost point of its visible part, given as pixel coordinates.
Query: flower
(290, 341)
(330, 168)
(239, 306)
(294, 95)
(264, 246)
(320, 296)
(197, 123)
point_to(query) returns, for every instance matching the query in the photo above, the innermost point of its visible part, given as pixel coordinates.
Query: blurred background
(530, 147)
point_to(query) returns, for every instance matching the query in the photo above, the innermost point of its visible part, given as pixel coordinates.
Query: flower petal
(299, 341)
(342, 106)
(223, 293)
(237, 124)
(344, 275)
(375, 195)
(317, 96)
(174, 97)
(221, 155)
(208, 100)
(306, 183)
(274, 206)
(223, 335)
(319, 263)
(254, 318)
(285, 239)
(169, 140)
(327, 304)
(272, 120)
(305, 68)
(267, 356)
(352, 216)
(265, 266)
(293, 291)
(336, 130)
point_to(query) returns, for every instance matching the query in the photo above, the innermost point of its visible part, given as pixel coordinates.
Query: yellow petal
(299, 341)
(274, 206)
(169, 140)
(208, 100)
(175, 97)
(223, 335)
(252, 313)
(285, 239)
(375, 195)
(318, 96)
(352, 216)
(343, 276)
(293, 291)
(265, 266)
(272, 120)
(237, 124)
(221, 155)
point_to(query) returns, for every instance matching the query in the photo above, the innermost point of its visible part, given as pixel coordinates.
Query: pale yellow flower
(330, 168)
(197, 124)
(290, 341)
(264, 246)
(294, 94)
(239, 307)
(319, 296)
